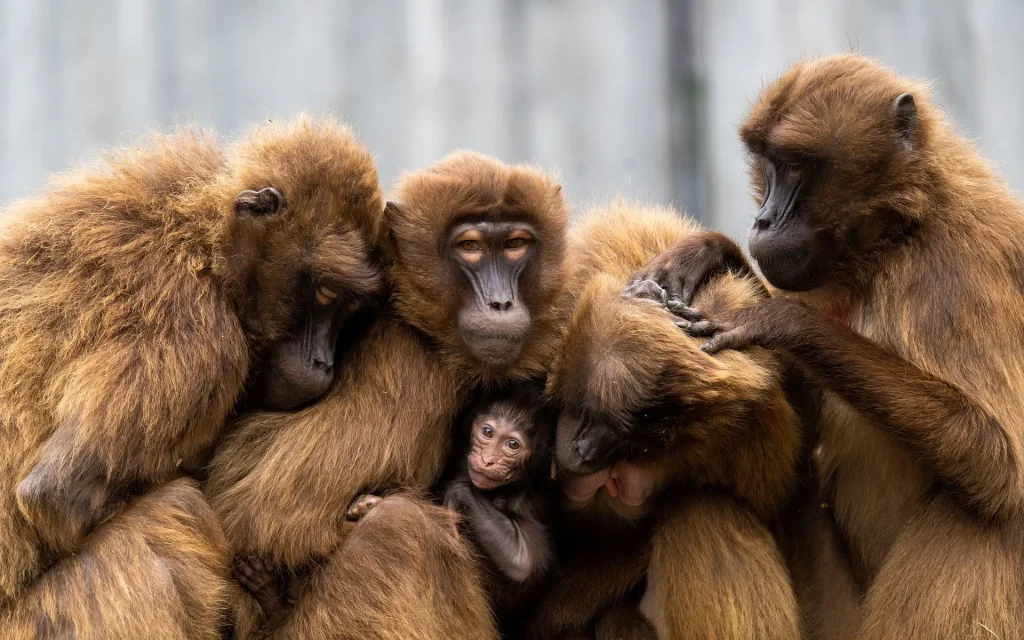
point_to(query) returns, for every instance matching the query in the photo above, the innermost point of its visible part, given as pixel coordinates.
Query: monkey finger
(689, 291)
(699, 329)
(645, 290)
(675, 288)
(733, 339)
(684, 311)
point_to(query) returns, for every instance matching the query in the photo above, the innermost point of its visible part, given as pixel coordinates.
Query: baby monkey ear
(264, 202)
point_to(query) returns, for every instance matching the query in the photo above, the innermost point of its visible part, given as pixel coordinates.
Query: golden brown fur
(281, 483)
(159, 570)
(922, 428)
(727, 442)
(133, 299)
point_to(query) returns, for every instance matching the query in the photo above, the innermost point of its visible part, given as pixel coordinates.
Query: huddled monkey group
(246, 394)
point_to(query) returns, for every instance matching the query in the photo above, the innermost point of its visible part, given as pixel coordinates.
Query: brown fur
(159, 570)
(132, 301)
(922, 428)
(715, 570)
(282, 482)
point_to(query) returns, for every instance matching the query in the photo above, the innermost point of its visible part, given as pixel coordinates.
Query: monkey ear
(264, 202)
(905, 111)
(392, 210)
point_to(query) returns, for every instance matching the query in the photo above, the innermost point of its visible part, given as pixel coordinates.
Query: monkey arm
(384, 425)
(692, 262)
(518, 546)
(131, 412)
(935, 417)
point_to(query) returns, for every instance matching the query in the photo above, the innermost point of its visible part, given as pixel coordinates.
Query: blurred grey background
(632, 97)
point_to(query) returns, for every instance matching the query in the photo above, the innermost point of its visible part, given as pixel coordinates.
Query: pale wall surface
(639, 98)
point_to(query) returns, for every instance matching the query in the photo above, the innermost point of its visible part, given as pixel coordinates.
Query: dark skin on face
(508, 531)
(493, 319)
(499, 491)
(498, 452)
(930, 415)
(299, 369)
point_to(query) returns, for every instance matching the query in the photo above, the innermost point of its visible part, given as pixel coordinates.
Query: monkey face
(477, 250)
(499, 452)
(584, 444)
(832, 165)
(493, 319)
(305, 239)
(790, 251)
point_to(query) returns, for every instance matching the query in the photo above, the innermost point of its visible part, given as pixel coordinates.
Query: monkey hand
(361, 506)
(689, 264)
(773, 323)
(260, 578)
(645, 290)
(456, 494)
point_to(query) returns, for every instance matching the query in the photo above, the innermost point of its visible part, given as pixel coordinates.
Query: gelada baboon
(674, 464)
(501, 485)
(136, 296)
(476, 267)
(899, 259)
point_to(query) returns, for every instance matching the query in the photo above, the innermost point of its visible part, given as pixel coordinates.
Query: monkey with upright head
(475, 263)
(872, 212)
(502, 487)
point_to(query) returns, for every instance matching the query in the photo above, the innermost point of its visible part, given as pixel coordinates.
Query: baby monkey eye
(469, 245)
(515, 243)
(513, 445)
(325, 296)
(488, 432)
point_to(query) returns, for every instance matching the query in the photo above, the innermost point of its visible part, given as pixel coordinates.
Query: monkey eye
(488, 432)
(513, 445)
(325, 296)
(515, 243)
(469, 245)
(794, 168)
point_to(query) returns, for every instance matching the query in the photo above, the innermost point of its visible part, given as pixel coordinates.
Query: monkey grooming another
(502, 487)
(873, 215)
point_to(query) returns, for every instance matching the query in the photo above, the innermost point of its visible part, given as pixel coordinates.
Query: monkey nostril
(322, 365)
(762, 224)
(508, 305)
(500, 306)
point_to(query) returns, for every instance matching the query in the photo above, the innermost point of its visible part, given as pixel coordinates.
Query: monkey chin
(485, 482)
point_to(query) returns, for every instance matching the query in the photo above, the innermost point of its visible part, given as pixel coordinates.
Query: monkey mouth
(494, 348)
(485, 481)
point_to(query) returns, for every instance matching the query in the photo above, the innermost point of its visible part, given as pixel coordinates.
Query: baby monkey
(502, 487)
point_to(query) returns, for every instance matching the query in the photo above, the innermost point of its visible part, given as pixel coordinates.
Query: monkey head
(509, 437)
(300, 250)
(633, 388)
(835, 162)
(478, 251)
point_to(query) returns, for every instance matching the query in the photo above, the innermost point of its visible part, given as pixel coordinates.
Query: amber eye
(513, 445)
(469, 245)
(488, 432)
(515, 243)
(325, 296)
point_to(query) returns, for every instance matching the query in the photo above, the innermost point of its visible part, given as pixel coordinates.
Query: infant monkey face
(499, 452)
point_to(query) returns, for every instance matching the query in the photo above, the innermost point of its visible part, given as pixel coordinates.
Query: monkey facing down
(138, 298)
(873, 211)
(674, 464)
(502, 487)
(476, 269)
